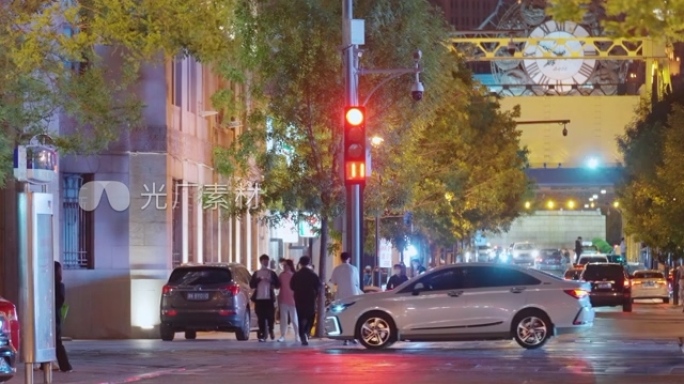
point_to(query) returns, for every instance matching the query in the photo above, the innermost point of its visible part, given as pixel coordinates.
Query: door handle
(517, 289)
(455, 293)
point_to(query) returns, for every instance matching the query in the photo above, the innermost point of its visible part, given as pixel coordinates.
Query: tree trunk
(322, 272)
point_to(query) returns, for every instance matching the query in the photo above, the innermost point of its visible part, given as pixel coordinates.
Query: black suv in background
(206, 297)
(610, 285)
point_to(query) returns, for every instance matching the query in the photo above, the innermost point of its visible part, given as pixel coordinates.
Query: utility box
(37, 277)
(354, 32)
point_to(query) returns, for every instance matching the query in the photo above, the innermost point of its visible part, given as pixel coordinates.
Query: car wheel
(242, 334)
(190, 335)
(627, 306)
(531, 329)
(166, 333)
(376, 330)
(666, 301)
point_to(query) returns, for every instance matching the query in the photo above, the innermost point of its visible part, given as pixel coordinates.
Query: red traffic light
(354, 116)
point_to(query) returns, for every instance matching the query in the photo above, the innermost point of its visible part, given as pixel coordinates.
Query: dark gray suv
(206, 297)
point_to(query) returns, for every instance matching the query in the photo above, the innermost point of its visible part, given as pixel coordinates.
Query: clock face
(559, 39)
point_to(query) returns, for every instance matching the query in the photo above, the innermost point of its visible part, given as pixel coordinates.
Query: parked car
(206, 297)
(610, 285)
(650, 285)
(523, 254)
(477, 301)
(9, 339)
(592, 259)
(549, 259)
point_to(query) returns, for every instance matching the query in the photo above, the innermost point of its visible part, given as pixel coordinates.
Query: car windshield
(649, 275)
(587, 260)
(603, 271)
(523, 247)
(195, 276)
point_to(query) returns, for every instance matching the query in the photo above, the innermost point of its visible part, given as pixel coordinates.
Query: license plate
(604, 285)
(198, 296)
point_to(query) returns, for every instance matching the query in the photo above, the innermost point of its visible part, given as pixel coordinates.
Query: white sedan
(650, 285)
(461, 302)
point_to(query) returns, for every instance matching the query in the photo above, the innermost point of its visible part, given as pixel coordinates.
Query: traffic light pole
(354, 193)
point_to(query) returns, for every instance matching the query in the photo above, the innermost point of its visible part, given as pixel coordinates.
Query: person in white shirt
(346, 278)
(264, 282)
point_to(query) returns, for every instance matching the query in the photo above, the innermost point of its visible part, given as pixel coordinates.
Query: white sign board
(286, 230)
(385, 254)
(309, 227)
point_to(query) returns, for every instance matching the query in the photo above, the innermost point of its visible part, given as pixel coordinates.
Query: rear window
(200, 276)
(606, 271)
(649, 275)
(587, 260)
(523, 247)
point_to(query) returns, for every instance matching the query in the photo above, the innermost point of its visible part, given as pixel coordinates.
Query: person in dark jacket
(60, 297)
(398, 278)
(264, 282)
(306, 285)
(578, 249)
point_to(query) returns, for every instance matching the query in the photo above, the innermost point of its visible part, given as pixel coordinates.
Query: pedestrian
(397, 278)
(623, 249)
(264, 282)
(60, 298)
(417, 267)
(578, 249)
(345, 277)
(306, 286)
(286, 302)
(367, 276)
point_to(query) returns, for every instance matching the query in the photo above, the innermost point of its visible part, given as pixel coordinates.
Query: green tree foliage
(470, 166)
(78, 61)
(651, 196)
(663, 19)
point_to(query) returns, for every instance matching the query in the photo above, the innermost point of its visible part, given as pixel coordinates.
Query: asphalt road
(638, 347)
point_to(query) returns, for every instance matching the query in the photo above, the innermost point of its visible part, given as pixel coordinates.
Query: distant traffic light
(355, 145)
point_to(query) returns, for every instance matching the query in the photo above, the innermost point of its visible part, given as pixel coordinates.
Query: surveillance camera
(417, 91)
(512, 48)
(565, 131)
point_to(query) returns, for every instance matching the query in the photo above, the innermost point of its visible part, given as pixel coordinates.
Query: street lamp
(376, 141)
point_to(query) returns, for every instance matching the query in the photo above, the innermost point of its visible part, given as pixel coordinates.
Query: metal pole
(354, 191)
(377, 249)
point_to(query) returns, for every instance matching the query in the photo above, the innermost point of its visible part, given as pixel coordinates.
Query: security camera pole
(353, 36)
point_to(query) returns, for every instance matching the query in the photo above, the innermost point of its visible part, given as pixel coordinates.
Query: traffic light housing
(354, 145)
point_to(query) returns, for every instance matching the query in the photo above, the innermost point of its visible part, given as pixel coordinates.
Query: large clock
(559, 39)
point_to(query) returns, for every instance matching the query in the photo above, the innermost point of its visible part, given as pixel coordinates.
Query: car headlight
(535, 253)
(339, 307)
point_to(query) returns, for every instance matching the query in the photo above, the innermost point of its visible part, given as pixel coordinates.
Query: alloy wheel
(532, 331)
(376, 332)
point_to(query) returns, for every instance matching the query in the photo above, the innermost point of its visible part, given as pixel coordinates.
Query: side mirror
(417, 288)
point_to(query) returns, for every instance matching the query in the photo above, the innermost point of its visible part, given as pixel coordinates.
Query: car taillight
(661, 282)
(635, 282)
(577, 293)
(233, 289)
(626, 284)
(166, 290)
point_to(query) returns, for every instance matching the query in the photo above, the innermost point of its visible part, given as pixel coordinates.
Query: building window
(77, 225)
(177, 223)
(177, 81)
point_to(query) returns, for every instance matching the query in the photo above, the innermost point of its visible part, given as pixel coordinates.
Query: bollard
(47, 373)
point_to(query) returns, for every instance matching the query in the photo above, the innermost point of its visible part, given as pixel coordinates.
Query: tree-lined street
(633, 347)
